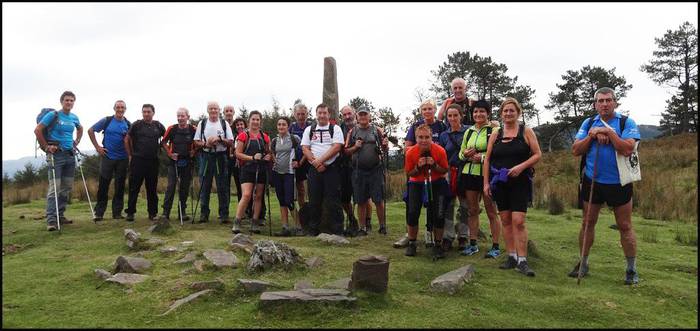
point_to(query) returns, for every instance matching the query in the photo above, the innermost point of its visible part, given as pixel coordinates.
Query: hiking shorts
(614, 195)
(470, 183)
(368, 184)
(248, 176)
(301, 173)
(513, 195)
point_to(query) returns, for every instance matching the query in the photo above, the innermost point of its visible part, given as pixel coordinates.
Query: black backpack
(262, 137)
(582, 163)
(204, 124)
(108, 120)
(330, 130)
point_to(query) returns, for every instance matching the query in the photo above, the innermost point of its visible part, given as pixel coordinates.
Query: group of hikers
(457, 157)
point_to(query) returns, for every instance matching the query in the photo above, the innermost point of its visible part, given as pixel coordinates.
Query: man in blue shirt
(609, 139)
(58, 145)
(113, 162)
(297, 128)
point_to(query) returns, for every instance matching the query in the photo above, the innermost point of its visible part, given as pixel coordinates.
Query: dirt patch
(14, 248)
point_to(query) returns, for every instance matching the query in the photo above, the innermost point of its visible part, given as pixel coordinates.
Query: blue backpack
(41, 115)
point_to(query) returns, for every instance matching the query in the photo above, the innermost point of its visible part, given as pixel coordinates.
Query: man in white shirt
(214, 139)
(321, 144)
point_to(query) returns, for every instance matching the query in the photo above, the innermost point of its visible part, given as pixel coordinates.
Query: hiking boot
(523, 268)
(254, 227)
(429, 240)
(410, 248)
(284, 233)
(631, 277)
(438, 253)
(402, 242)
(97, 218)
(470, 250)
(117, 217)
(153, 218)
(382, 230)
(129, 217)
(462, 244)
(574, 273)
(65, 220)
(361, 233)
(51, 226)
(510, 263)
(446, 245)
(492, 253)
(236, 226)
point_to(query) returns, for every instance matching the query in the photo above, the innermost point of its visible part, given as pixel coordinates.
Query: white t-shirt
(214, 129)
(321, 141)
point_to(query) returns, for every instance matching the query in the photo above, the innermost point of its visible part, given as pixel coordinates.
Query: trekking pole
(179, 204)
(269, 207)
(588, 215)
(252, 203)
(55, 190)
(385, 167)
(206, 163)
(80, 164)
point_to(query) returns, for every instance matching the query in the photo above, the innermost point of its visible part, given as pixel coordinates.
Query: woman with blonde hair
(510, 155)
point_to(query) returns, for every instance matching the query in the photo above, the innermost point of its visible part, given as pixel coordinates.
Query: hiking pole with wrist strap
(267, 192)
(588, 215)
(55, 190)
(177, 192)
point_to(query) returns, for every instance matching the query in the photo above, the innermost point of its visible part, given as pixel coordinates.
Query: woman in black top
(511, 153)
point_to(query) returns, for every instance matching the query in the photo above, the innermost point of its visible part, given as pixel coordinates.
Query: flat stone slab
(242, 239)
(343, 284)
(168, 250)
(208, 285)
(185, 300)
(333, 239)
(127, 278)
(154, 242)
(189, 257)
(255, 286)
(314, 262)
(307, 295)
(452, 281)
(221, 258)
(132, 264)
(102, 274)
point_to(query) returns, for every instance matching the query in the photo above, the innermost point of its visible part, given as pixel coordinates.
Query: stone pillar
(330, 87)
(371, 273)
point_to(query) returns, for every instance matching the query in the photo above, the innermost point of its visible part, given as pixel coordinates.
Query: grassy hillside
(49, 281)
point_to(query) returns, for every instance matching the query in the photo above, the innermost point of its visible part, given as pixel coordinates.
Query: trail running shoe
(631, 277)
(523, 268)
(510, 263)
(438, 253)
(492, 253)
(470, 250)
(382, 229)
(284, 233)
(402, 242)
(574, 272)
(129, 217)
(51, 226)
(410, 249)
(361, 233)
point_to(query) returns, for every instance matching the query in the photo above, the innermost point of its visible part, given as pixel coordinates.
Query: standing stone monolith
(330, 86)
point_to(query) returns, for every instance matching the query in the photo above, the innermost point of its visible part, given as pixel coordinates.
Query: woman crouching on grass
(285, 161)
(511, 153)
(426, 165)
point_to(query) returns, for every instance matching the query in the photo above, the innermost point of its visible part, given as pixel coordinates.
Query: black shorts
(301, 172)
(614, 195)
(470, 183)
(345, 184)
(248, 176)
(513, 195)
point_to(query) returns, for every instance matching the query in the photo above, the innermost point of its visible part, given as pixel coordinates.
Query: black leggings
(434, 212)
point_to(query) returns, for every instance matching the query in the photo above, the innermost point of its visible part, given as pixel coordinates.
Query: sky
(186, 54)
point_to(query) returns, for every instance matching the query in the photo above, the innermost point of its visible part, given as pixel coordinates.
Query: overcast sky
(174, 55)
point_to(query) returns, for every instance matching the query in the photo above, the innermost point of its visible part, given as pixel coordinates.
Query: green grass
(50, 283)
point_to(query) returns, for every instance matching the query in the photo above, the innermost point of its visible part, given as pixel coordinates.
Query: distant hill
(12, 166)
(649, 131)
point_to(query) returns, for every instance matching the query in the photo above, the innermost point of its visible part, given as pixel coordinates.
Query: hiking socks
(521, 259)
(472, 242)
(631, 263)
(513, 255)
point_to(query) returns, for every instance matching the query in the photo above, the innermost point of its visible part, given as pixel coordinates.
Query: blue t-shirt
(451, 141)
(114, 137)
(62, 131)
(438, 127)
(607, 161)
